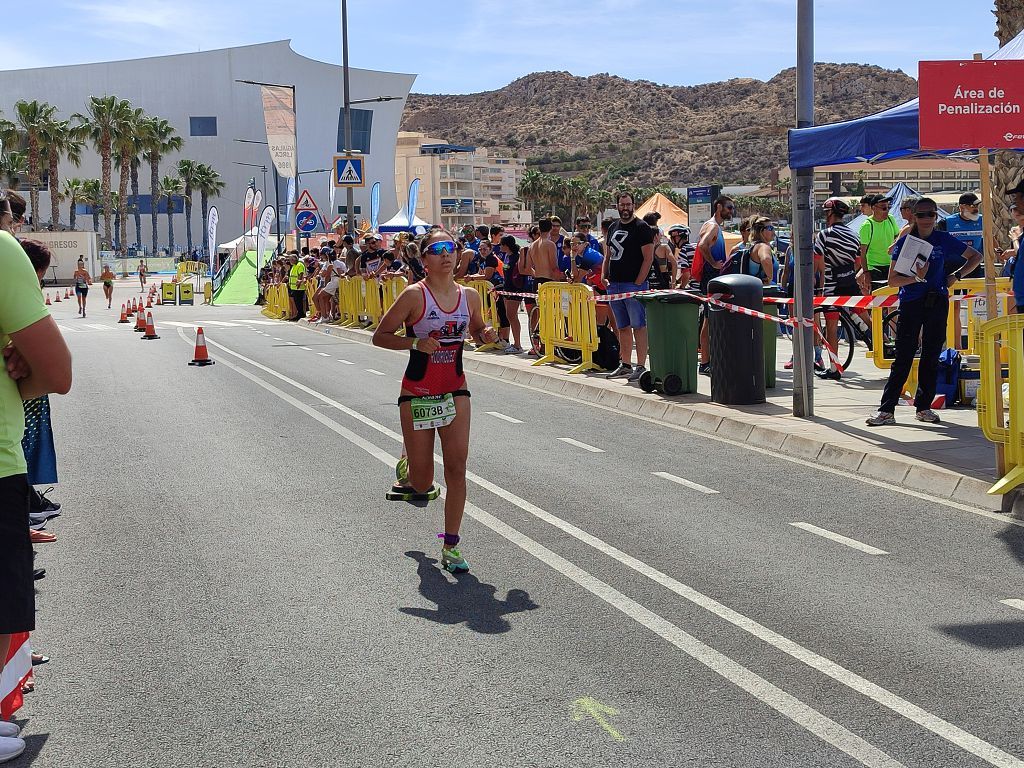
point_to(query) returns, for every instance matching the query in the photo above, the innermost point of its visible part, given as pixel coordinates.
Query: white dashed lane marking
(684, 482)
(1018, 604)
(503, 417)
(375, 373)
(584, 446)
(844, 540)
(346, 362)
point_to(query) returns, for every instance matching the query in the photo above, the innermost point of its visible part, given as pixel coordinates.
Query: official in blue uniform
(965, 226)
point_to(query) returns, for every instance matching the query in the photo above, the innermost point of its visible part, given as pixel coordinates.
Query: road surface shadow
(468, 601)
(994, 635)
(33, 746)
(1013, 537)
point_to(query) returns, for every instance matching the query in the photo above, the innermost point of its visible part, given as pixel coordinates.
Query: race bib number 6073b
(432, 411)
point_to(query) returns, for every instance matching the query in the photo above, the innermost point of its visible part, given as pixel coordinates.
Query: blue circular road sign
(306, 221)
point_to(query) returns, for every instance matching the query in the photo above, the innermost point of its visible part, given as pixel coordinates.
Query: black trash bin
(737, 342)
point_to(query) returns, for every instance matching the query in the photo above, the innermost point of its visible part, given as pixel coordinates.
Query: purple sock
(450, 539)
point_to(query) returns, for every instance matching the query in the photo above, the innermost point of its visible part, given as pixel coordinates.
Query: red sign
(305, 202)
(971, 104)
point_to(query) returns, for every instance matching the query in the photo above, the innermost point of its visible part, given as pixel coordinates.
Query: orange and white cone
(159, 301)
(150, 328)
(149, 301)
(67, 293)
(124, 314)
(47, 299)
(140, 322)
(202, 355)
(56, 298)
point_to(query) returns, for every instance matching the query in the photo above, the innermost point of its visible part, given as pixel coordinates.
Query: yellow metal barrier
(1003, 334)
(276, 301)
(372, 295)
(977, 308)
(310, 305)
(190, 268)
(393, 286)
(488, 308)
(568, 319)
(351, 289)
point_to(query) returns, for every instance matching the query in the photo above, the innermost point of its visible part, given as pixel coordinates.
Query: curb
(884, 466)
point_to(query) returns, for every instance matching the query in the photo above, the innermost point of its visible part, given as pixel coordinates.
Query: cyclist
(840, 248)
(437, 315)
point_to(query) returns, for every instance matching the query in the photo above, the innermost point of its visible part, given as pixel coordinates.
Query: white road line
(685, 482)
(882, 696)
(176, 324)
(323, 354)
(578, 444)
(306, 348)
(375, 373)
(276, 339)
(784, 703)
(290, 344)
(852, 543)
(220, 323)
(346, 362)
(1018, 604)
(503, 417)
(98, 327)
(69, 329)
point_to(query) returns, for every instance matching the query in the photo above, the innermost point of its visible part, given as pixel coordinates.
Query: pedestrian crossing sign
(348, 171)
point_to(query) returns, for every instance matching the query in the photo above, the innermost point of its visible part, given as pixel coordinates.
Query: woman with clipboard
(924, 305)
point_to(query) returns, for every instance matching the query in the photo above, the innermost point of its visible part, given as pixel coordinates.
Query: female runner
(437, 314)
(82, 280)
(108, 283)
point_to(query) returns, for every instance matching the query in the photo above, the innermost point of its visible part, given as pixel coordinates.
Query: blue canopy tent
(876, 138)
(896, 195)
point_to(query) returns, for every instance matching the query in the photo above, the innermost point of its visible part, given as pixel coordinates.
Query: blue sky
(463, 46)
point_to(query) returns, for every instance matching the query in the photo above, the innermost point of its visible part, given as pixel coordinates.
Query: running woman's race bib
(432, 411)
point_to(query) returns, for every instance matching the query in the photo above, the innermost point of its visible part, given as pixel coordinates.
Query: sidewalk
(951, 460)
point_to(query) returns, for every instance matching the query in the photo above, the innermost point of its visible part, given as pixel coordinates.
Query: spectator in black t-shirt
(629, 253)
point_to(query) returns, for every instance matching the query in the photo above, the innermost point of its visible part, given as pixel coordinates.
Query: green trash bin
(770, 336)
(672, 342)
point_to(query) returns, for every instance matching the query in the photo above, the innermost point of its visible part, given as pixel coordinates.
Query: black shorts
(410, 398)
(846, 287)
(17, 597)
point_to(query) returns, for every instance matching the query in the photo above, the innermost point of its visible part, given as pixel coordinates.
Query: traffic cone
(150, 329)
(149, 302)
(124, 314)
(140, 322)
(47, 299)
(159, 302)
(202, 355)
(67, 294)
(56, 298)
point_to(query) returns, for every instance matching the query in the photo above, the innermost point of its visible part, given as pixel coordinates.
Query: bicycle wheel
(846, 336)
(536, 345)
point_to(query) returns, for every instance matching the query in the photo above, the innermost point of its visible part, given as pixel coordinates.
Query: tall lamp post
(803, 221)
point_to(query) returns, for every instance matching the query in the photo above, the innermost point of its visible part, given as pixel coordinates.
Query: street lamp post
(803, 221)
(277, 195)
(350, 220)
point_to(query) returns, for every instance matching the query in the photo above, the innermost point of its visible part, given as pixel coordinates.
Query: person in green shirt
(296, 288)
(37, 362)
(877, 235)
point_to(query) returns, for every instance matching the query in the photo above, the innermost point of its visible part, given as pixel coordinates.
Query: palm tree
(73, 192)
(136, 162)
(531, 187)
(13, 167)
(92, 195)
(158, 138)
(209, 183)
(62, 141)
(34, 118)
(1009, 166)
(187, 173)
(115, 206)
(170, 187)
(103, 115)
(125, 147)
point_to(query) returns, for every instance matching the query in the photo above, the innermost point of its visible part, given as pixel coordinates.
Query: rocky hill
(605, 127)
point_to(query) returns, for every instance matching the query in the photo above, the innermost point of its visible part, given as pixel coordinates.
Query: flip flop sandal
(38, 658)
(42, 537)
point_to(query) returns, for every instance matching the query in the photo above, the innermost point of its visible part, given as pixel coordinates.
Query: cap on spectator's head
(371, 236)
(347, 239)
(467, 229)
(876, 199)
(968, 198)
(836, 205)
(1018, 190)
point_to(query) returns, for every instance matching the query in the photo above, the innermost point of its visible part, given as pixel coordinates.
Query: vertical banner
(279, 117)
(257, 201)
(266, 221)
(374, 205)
(247, 209)
(211, 235)
(332, 209)
(414, 193)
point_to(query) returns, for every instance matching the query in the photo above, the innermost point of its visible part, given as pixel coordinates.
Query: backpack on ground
(607, 354)
(947, 382)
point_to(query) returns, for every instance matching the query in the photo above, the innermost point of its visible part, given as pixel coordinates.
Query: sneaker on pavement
(928, 416)
(831, 375)
(789, 366)
(704, 369)
(10, 747)
(42, 516)
(638, 371)
(452, 560)
(624, 369)
(9, 730)
(880, 418)
(819, 365)
(39, 502)
(513, 349)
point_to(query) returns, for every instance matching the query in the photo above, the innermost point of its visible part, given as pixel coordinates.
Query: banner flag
(247, 209)
(414, 193)
(374, 205)
(211, 234)
(279, 117)
(266, 220)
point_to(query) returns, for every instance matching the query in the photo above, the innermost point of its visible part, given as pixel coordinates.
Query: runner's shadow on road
(1013, 538)
(468, 601)
(994, 635)
(34, 744)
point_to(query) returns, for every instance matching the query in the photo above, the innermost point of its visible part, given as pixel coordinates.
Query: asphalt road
(231, 588)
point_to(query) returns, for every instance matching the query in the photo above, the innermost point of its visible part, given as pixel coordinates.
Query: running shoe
(789, 366)
(928, 416)
(513, 349)
(42, 515)
(453, 561)
(638, 371)
(402, 470)
(704, 369)
(819, 364)
(624, 369)
(832, 375)
(39, 501)
(880, 419)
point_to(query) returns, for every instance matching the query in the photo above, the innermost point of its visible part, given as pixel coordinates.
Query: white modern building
(199, 94)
